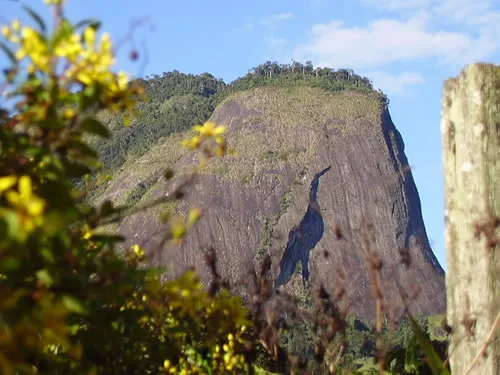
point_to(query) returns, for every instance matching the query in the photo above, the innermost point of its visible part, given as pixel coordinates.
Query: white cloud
(480, 18)
(447, 33)
(394, 84)
(386, 41)
(281, 16)
(398, 4)
(275, 42)
(273, 21)
(465, 12)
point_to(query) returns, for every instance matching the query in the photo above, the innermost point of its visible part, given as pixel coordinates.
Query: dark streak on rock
(303, 238)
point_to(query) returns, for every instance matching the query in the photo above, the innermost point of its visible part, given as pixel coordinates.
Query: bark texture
(471, 149)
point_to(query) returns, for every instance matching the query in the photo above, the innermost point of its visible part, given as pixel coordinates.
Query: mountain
(320, 182)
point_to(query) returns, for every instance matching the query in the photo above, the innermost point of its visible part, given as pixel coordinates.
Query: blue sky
(406, 47)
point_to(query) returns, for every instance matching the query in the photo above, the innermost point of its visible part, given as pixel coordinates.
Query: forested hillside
(177, 100)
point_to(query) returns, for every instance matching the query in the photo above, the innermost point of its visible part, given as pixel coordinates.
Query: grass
(281, 135)
(141, 189)
(271, 140)
(125, 185)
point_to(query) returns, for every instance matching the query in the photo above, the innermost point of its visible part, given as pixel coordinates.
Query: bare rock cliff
(320, 180)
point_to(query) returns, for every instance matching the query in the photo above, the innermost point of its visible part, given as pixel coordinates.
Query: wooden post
(470, 128)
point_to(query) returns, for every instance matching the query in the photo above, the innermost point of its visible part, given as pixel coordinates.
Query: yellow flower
(106, 42)
(7, 182)
(28, 207)
(70, 48)
(84, 78)
(25, 198)
(16, 26)
(194, 216)
(87, 232)
(177, 230)
(167, 367)
(20, 54)
(192, 143)
(120, 84)
(69, 113)
(89, 37)
(122, 80)
(31, 45)
(209, 129)
(139, 251)
(6, 31)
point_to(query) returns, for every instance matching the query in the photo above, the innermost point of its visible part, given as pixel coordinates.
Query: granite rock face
(303, 238)
(253, 202)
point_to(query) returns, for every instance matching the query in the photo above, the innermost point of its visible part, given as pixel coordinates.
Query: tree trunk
(470, 128)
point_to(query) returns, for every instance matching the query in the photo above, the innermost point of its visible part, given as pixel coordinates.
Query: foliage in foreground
(69, 303)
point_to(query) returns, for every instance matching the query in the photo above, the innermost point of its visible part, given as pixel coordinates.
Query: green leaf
(73, 304)
(63, 32)
(75, 169)
(10, 263)
(51, 123)
(12, 221)
(435, 363)
(82, 148)
(9, 53)
(44, 276)
(107, 238)
(107, 209)
(36, 18)
(94, 126)
(91, 23)
(47, 255)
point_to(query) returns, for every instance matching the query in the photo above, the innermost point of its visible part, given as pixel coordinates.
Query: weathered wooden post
(470, 128)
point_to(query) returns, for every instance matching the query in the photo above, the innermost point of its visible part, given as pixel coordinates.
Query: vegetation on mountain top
(177, 100)
(298, 74)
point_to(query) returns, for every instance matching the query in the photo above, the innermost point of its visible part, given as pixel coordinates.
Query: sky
(406, 47)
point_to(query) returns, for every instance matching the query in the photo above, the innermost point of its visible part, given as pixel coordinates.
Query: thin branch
(489, 339)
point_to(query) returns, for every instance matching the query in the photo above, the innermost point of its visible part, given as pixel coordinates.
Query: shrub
(70, 302)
